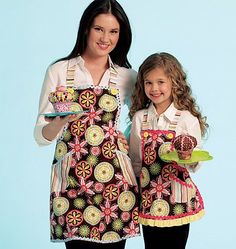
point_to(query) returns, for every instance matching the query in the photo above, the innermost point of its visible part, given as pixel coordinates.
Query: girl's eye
(147, 82)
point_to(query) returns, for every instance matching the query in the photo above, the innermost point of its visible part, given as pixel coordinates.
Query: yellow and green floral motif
(74, 218)
(155, 168)
(107, 117)
(94, 135)
(61, 150)
(76, 107)
(117, 225)
(109, 150)
(92, 215)
(146, 199)
(104, 172)
(178, 209)
(83, 169)
(87, 98)
(111, 192)
(95, 234)
(84, 231)
(108, 103)
(66, 136)
(79, 203)
(144, 177)
(60, 205)
(78, 128)
(92, 160)
(149, 155)
(110, 236)
(126, 201)
(160, 208)
(164, 149)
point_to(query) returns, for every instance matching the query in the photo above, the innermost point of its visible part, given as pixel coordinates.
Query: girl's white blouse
(56, 76)
(187, 124)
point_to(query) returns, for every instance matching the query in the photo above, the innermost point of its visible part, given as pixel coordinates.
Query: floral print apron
(168, 195)
(91, 199)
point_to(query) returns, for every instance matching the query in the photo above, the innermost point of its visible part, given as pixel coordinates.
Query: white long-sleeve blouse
(56, 76)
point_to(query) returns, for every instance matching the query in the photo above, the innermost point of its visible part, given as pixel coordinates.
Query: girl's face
(157, 87)
(103, 35)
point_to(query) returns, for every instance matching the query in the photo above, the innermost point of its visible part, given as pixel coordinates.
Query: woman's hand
(51, 130)
(62, 120)
(123, 140)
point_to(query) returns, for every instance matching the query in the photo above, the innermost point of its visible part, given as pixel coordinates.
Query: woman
(92, 199)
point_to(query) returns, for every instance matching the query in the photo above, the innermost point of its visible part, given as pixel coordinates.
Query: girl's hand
(123, 140)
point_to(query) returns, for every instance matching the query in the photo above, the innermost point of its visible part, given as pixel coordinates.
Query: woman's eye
(114, 31)
(97, 29)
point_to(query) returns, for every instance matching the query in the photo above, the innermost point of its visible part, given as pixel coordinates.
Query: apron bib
(91, 198)
(168, 195)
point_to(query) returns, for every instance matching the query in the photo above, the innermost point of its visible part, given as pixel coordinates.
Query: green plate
(61, 114)
(197, 156)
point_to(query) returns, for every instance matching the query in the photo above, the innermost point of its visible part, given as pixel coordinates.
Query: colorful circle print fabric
(90, 197)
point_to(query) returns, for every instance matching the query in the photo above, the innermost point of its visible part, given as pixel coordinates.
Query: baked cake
(184, 145)
(61, 99)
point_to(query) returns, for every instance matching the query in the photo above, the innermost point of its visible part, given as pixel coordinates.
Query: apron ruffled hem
(172, 222)
(95, 240)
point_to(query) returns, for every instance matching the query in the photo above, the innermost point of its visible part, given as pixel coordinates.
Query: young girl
(162, 108)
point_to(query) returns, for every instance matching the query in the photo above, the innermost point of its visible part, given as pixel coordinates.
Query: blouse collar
(80, 61)
(168, 114)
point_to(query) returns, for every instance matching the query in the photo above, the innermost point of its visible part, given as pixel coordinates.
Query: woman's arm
(135, 146)
(46, 130)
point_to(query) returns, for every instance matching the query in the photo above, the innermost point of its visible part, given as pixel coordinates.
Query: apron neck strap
(145, 123)
(70, 76)
(173, 124)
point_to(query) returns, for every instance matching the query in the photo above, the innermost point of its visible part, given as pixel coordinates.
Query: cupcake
(184, 145)
(61, 99)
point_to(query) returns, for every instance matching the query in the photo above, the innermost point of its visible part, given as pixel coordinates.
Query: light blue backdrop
(201, 34)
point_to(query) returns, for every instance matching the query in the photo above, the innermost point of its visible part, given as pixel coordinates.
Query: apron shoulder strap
(173, 124)
(145, 122)
(113, 80)
(70, 75)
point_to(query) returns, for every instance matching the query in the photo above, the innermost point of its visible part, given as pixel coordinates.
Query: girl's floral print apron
(168, 195)
(91, 198)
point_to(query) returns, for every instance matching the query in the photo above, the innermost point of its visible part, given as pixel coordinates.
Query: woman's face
(103, 35)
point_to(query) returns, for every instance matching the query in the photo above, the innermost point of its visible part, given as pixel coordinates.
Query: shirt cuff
(39, 138)
(193, 167)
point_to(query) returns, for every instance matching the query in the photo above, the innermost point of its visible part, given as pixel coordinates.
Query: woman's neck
(96, 66)
(95, 62)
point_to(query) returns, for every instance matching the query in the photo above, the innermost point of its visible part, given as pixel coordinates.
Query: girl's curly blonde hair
(181, 91)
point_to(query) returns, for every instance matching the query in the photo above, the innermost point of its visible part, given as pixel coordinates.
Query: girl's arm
(194, 130)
